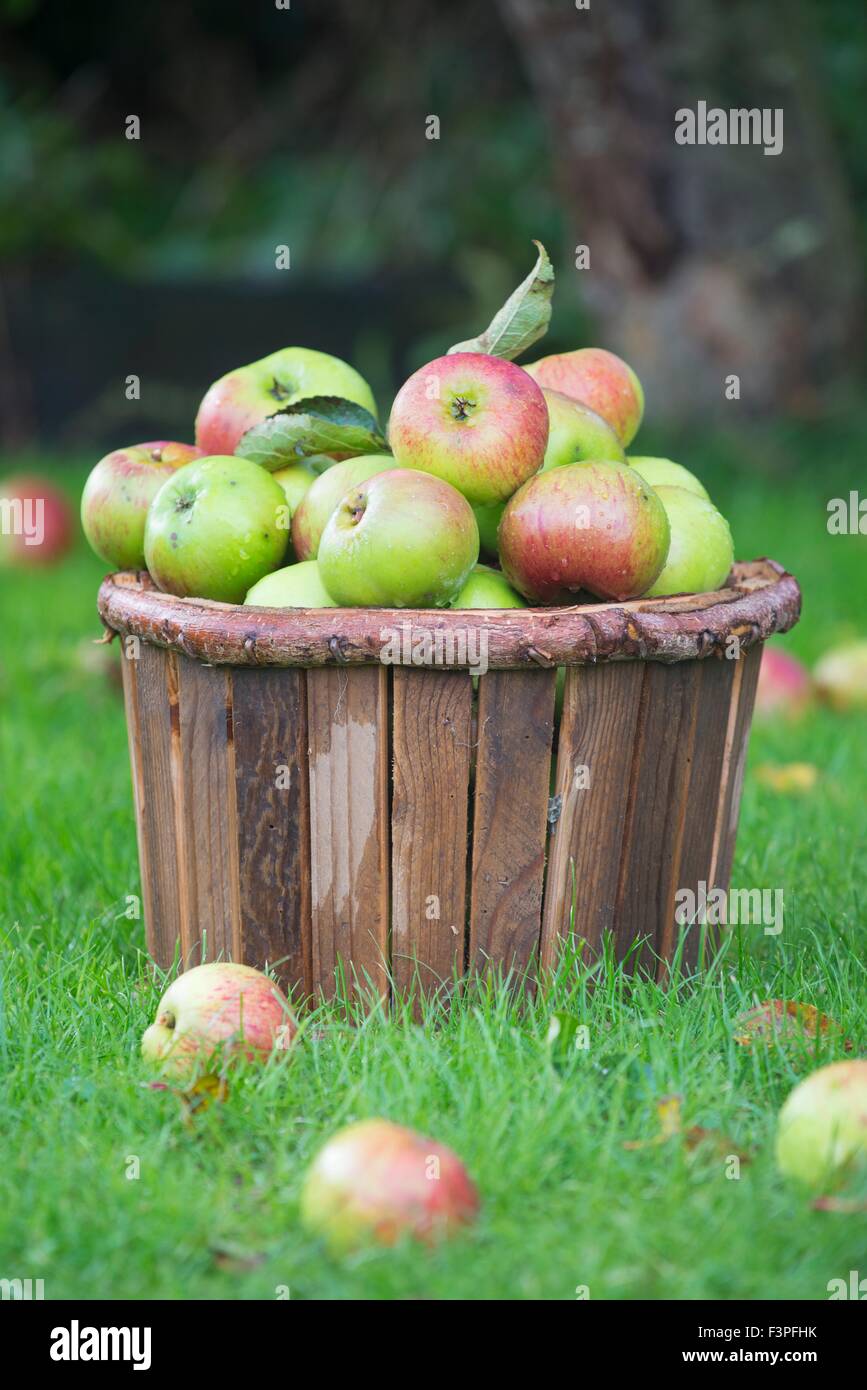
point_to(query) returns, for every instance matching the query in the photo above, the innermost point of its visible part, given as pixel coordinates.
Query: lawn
(211, 1207)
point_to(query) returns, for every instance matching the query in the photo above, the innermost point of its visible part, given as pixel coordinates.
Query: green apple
(295, 586)
(295, 481)
(822, 1131)
(667, 473)
(488, 520)
(248, 395)
(488, 588)
(214, 528)
(328, 489)
(577, 433)
(401, 539)
(700, 552)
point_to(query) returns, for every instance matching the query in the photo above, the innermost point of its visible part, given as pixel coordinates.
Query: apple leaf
(315, 425)
(524, 317)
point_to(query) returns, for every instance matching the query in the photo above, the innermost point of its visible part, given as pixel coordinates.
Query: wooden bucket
(330, 788)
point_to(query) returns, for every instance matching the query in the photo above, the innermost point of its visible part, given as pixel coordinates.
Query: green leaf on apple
(315, 425)
(524, 317)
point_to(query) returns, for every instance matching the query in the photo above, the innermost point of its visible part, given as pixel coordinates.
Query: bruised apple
(376, 1182)
(595, 526)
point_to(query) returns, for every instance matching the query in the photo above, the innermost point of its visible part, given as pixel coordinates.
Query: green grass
(214, 1212)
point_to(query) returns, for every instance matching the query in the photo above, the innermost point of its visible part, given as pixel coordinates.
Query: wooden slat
(149, 726)
(347, 723)
(270, 732)
(601, 706)
(656, 813)
(746, 679)
(208, 828)
(431, 753)
(510, 821)
(716, 680)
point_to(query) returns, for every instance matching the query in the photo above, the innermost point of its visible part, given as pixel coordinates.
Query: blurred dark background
(307, 127)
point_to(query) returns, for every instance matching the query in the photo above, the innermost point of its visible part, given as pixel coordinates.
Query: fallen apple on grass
(600, 380)
(476, 421)
(328, 490)
(700, 552)
(784, 687)
(118, 492)
(221, 1008)
(667, 473)
(841, 676)
(822, 1130)
(36, 522)
(594, 526)
(376, 1182)
(214, 528)
(295, 586)
(248, 395)
(401, 539)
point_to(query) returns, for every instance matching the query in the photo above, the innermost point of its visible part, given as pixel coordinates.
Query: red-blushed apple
(216, 527)
(841, 676)
(488, 588)
(219, 1007)
(599, 379)
(376, 1182)
(667, 473)
(401, 539)
(822, 1129)
(700, 552)
(476, 421)
(295, 586)
(595, 526)
(36, 526)
(308, 522)
(248, 395)
(784, 687)
(118, 492)
(576, 433)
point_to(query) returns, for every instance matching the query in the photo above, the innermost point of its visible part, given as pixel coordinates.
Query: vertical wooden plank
(716, 678)
(269, 721)
(149, 727)
(746, 680)
(209, 821)
(347, 725)
(510, 820)
(656, 810)
(431, 753)
(601, 706)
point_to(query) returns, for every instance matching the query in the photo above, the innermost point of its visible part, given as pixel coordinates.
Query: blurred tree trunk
(704, 260)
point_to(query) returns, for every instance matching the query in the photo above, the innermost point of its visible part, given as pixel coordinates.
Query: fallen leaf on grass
(197, 1097)
(788, 777)
(231, 1258)
(784, 1020)
(668, 1113)
(846, 1205)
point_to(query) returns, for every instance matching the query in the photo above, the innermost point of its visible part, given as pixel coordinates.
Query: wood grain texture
(208, 831)
(510, 816)
(656, 811)
(716, 681)
(598, 729)
(347, 724)
(431, 734)
(149, 725)
(759, 598)
(733, 772)
(271, 782)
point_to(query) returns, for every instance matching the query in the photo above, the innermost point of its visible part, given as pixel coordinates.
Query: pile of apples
(292, 496)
